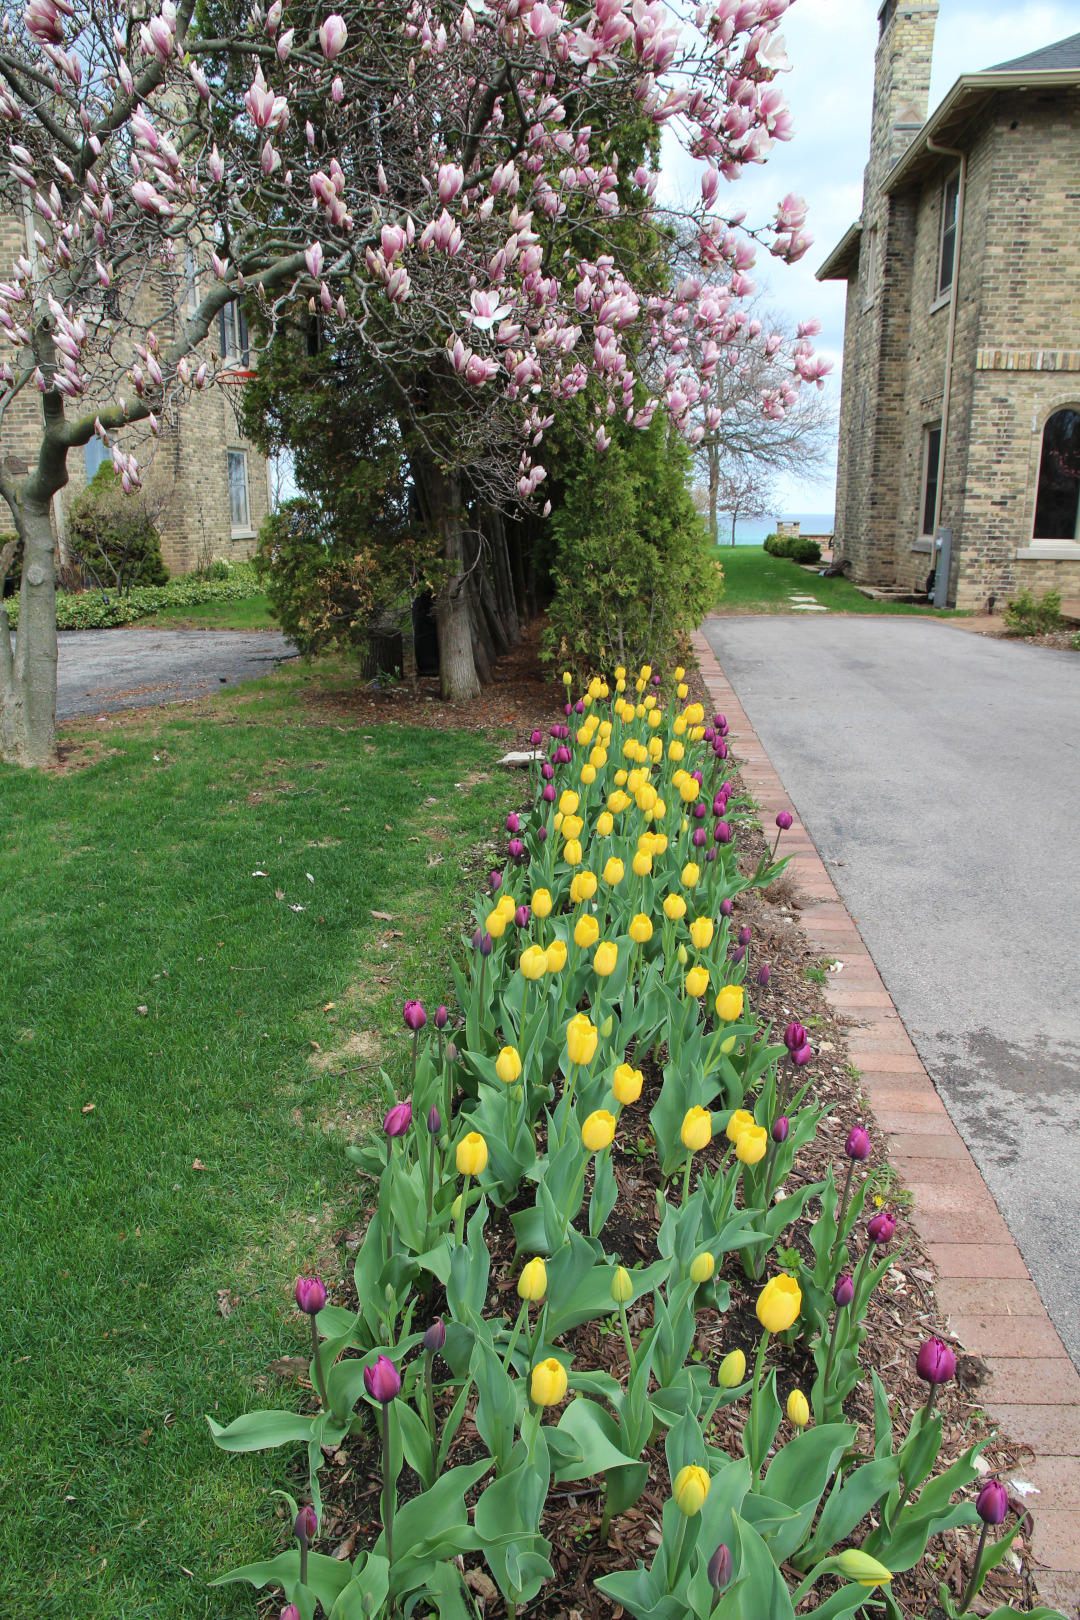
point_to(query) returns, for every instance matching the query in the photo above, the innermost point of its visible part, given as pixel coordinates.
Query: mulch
(903, 1311)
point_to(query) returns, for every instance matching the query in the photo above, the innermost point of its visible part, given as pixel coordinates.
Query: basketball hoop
(236, 376)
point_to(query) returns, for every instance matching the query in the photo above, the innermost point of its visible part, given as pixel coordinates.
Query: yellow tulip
(640, 926)
(607, 954)
(779, 1303)
(614, 872)
(732, 1370)
(656, 749)
(677, 777)
(572, 852)
(471, 1155)
(645, 796)
(645, 671)
(508, 1065)
(655, 717)
(581, 1038)
(604, 823)
(739, 1122)
(586, 931)
(540, 901)
(674, 907)
(495, 923)
(697, 733)
(617, 801)
(556, 821)
(598, 1131)
(642, 864)
(647, 843)
(695, 714)
(690, 874)
(605, 730)
(701, 930)
(556, 956)
(650, 703)
(661, 838)
(678, 725)
(567, 678)
(532, 1284)
(855, 1565)
(572, 826)
(690, 1489)
(697, 981)
(689, 789)
(594, 687)
(507, 905)
(620, 685)
(533, 963)
(798, 1409)
(626, 1084)
(752, 1144)
(548, 1384)
(620, 673)
(682, 690)
(583, 887)
(703, 1268)
(696, 1130)
(729, 1003)
(587, 775)
(598, 757)
(622, 1286)
(679, 672)
(676, 751)
(583, 736)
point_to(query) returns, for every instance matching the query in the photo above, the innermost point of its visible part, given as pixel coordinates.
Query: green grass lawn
(166, 1173)
(754, 582)
(253, 613)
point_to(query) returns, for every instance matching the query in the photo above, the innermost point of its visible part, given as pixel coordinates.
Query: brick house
(960, 409)
(207, 484)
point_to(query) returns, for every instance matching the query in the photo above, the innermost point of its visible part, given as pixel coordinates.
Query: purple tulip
(495, 880)
(781, 1129)
(738, 953)
(556, 732)
(784, 820)
(720, 749)
(383, 1381)
(656, 680)
(541, 834)
(290, 1612)
(710, 854)
(442, 1017)
(719, 722)
(802, 1056)
(435, 1337)
(478, 934)
(700, 810)
(566, 710)
(562, 755)
(513, 822)
(745, 936)
(725, 908)
(935, 1363)
(722, 833)
(881, 1227)
(414, 1015)
(719, 805)
(697, 775)
(710, 734)
(548, 794)
(857, 1145)
(434, 1121)
(516, 849)
(844, 1291)
(699, 838)
(719, 1568)
(764, 974)
(310, 1295)
(992, 1502)
(487, 944)
(547, 771)
(398, 1119)
(794, 1037)
(306, 1524)
(537, 738)
(452, 1053)
(579, 707)
(521, 916)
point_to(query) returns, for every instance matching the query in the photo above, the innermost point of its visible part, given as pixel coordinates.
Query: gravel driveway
(938, 773)
(99, 670)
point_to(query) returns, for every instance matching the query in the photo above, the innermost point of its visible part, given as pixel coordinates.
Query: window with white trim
(950, 206)
(234, 334)
(95, 453)
(1057, 503)
(239, 507)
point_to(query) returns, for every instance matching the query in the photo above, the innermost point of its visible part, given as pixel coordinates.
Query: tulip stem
(429, 1405)
(572, 1200)
(754, 1409)
(521, 1316)
(316, 1362)
(568, 1097)
(460, 1224)
(676, 1553)
(303, 1559)
(926, 1414)
(415, 1038)
(388, 1492)
(686, 1178)
(626, 1336)
(829, 1362)
(838, 1239)
(969, 1592)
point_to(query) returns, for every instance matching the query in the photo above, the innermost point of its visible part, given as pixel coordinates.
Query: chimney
(901, 85)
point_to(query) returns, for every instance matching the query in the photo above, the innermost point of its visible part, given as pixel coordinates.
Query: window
(950, 202)
(931, 460)
(239, 511)
(95, 454)
(1058, 499)
(234, 334)
(191, 283)
(871, 273)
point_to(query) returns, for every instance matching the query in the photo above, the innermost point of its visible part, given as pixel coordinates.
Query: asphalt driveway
(938, 773)
(101, 670)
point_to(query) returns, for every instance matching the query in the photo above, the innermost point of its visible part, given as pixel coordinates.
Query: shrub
(1028, 616)
(800, 550)
(634, 571)
(325, 592)
(102, 610)
(113, 535)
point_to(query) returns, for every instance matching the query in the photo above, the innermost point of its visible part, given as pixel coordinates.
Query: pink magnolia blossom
(332, 36)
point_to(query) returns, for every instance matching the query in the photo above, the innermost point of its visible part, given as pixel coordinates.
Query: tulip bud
(521, 916)
(722, 833)
(738, 953)
(478, 935)
(622, 1286)
(442, 1018)
(382, 1381)
(764, 975)
(935, 1363)
(435, 1337)
(290, 1612)
(541, 834)
(798, 1409)
(719, 722)
(732, 1370)
(844, 1291)
(881, 1227)
(398, 1120)
(794, 1037)
(414, 1015)
(718, 1568)
(452, 1053)
(992, 1502)
(547, 771)
(306, 1524)
(536, 739)
(699, 838)
(703, 1268)
(310, 1295)
(513, 822)
(725, 908)
(781, 1129)
(784, 820)
(495, 879)
(434, 1122)
(745, 936)
(857, 1145)
(487, 944)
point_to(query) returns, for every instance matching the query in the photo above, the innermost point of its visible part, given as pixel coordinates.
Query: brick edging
(983, 1284)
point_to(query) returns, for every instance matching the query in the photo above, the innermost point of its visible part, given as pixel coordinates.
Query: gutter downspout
(950, 342)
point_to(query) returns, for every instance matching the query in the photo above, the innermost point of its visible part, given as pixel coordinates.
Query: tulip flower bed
(614, 1317)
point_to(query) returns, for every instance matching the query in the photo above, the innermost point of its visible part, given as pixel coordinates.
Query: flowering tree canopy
(440, 182)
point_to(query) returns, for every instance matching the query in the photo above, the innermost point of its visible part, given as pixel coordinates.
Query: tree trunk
(500, 570)
(714, 485)
(440, 500)
(517, 569)
(28, 679)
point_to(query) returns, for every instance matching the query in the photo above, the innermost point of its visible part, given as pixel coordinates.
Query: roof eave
(968, 90)
(838, 264)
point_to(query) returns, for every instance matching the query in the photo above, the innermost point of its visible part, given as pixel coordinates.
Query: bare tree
(741, 491)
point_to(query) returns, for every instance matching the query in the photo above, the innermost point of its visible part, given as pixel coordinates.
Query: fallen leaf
(395, 933)
(89, 1109)
(226, 1301)
(279, 894)
(310, 878)
(298, 908)
(434, 860)
(346, 1548)
(145, 1436)
(260, 874)
(383, 916)
(481, 1584)
(142, 1011)
(329, 1007)
(290, 1367)
(414, 840)
(387, 827)
(197, 1164)
(315, 1046)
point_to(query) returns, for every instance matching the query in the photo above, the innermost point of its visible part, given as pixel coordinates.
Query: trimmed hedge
(94, 610)
(798, 549)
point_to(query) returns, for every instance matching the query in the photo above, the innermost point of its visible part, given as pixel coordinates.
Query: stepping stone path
(805, 604)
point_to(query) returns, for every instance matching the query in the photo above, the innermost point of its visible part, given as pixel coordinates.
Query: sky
(831, 46)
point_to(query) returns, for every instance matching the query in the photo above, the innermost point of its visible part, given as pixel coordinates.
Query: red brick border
(983, 1283)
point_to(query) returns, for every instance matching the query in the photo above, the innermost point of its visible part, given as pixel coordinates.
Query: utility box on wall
(942, 562)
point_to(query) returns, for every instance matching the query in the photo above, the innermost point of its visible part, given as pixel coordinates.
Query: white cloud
(831, 44)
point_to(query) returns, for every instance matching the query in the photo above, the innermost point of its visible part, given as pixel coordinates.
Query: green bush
(102, 610)
(789, 545)
(1028, 616)
(113, 536)
(634, 571)
(325, 590)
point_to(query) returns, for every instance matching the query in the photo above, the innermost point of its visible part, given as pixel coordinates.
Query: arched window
(1057, 505)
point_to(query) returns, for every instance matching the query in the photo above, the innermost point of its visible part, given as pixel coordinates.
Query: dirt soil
(903, 1312)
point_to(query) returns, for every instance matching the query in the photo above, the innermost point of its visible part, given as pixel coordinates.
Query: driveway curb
(983, 1284)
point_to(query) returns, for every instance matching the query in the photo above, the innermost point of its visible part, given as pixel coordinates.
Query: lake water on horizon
(752, 531)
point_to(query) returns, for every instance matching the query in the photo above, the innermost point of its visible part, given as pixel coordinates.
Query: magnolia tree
(434, 180)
